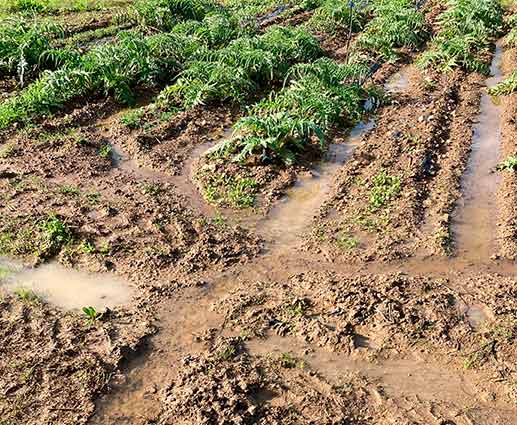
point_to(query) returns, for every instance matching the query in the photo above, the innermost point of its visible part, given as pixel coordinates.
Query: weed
(506, 87)
(509, 164)
(93, 197)
(27, 295)
(151, 189)
(287, 361)
(347, 242)
(105, 248)
(298, 307)
(91, 315)
(385, 188)
(132, 119)
(105, 151)
(218, 219)
(70, 190)
(7, 151)
(54, 235)
(236, 191)
(86, 247)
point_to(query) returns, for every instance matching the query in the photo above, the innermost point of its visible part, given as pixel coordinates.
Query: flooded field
(241, 213)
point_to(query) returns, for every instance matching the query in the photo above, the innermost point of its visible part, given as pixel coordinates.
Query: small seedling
(347, 242)
(27, 295)
(87, 247)
(91, 315)
(70, 190)
(287, 361)
(105, 151)
(510, 164)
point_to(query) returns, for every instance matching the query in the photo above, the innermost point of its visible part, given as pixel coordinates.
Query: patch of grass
(87, 247)
(235, 191)
(506, 87)
(346, 242)
(132, 119)
(385, 188)
(509, 164)
(70, 190)
(27, 295)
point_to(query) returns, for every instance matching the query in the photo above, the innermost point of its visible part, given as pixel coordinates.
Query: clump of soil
(54, 364)
(232, 386)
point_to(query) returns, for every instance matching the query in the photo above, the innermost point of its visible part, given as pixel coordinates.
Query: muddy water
(287, 221)
(66, 288)
(398, 82)
(475, 217)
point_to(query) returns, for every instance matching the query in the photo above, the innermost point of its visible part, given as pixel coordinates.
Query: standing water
(474, 219)
(66, 288)
(289, 219)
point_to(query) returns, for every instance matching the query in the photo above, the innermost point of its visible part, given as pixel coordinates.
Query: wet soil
(285, 319)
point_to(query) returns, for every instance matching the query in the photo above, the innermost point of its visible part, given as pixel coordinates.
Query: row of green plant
(395, 24)
(50, 6)
(322, 95)
(26, 47)
(467, 29)
(234, 72)
(117, 68)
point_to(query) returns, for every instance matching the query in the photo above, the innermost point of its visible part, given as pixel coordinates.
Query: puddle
(66, 288)
(290, 217)
(397, 82)
(475, 217)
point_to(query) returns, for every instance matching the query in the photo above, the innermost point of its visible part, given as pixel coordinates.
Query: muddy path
(414, 374)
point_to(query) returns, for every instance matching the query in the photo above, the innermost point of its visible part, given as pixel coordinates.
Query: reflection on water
(66, 288)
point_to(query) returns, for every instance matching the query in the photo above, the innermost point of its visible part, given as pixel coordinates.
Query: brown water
(287, 221)
(67, 288)
(475, 217)
(398, 82)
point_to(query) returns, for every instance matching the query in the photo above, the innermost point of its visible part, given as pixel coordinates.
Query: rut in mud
(475, 218)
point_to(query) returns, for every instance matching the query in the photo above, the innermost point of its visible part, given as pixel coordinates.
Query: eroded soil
(341, 298)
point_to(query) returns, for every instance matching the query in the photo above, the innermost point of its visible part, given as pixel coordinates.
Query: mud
(475, 217)
(69, 289)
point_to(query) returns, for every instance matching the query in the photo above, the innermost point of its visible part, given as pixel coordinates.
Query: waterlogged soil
(343, 298)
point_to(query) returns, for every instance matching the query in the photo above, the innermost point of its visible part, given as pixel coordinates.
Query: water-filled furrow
(473, 226)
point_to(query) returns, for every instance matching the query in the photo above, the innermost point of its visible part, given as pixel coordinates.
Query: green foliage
(91, 315)
(509, 164)
(26, 47)
(105, 151)
(396, 23)
(234, 72)
(132, 119)
(50, 6)
(346, 242)
(283, 125)
(505, 87)
(467, 28)
(235, 191)
(109, 69)
(54, 235)
(385, 188)
(337, 15)
(164, 14)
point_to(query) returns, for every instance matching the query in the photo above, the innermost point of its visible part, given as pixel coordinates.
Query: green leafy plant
(346, 242)
(509, 164)
(54, 235)
(385, 188)
(467, 27)
(92, 316)
(105, 151)
(505, 87)
(132, 119)
(27, 295)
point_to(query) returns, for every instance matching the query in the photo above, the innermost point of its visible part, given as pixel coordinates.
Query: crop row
(325, 94)
(466, 32)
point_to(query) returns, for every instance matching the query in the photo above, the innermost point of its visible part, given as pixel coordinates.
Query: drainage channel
(474, 220)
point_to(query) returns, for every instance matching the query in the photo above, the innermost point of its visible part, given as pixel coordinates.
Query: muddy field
(371, 280)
